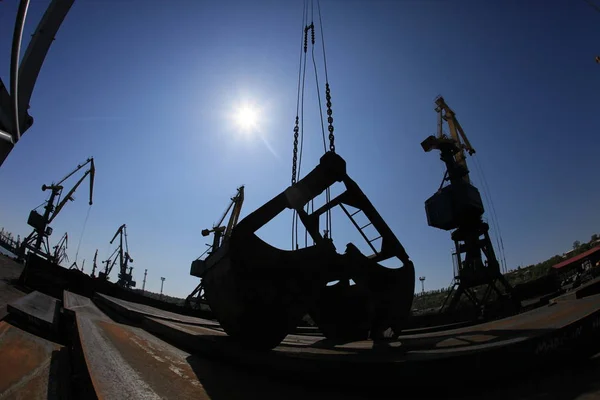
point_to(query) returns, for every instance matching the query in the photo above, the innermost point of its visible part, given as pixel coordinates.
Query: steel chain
(295, 156)
(306, 28)
(329, 118)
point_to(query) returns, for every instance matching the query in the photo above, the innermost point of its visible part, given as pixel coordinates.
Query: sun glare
(246, 118)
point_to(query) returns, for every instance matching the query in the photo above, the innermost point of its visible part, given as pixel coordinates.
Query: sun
(246, 118)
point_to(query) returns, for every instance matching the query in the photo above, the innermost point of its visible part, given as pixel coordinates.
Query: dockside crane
(37, 241)
(220, 235)
(109, 263)
(458, 207)
(121, 253)
(60, 250)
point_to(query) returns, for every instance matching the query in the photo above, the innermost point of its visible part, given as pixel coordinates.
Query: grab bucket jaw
(259, 293)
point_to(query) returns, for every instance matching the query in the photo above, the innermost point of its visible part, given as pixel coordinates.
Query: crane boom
(69, 195)
(221, 233)
(54, 205)
(94, 265)
(457, 142)
(236, 202)
(117, 232)
(14, 119)
(456, 131)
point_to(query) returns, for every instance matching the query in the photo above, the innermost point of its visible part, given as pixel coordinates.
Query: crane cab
(36, 221)
(453, 205)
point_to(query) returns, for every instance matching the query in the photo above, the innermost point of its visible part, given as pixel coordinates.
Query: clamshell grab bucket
(259, 292)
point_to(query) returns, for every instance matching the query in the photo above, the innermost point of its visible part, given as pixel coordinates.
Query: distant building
(578, 263)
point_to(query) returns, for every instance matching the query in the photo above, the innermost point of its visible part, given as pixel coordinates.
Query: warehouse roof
(578, 257)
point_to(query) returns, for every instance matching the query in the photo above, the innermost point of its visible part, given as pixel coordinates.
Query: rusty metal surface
(589, 288)
(144, 310)
(129, 363)
(551, 333)
(75, 303)
(544, 318)
(30, 367)
(9, 269)
(8, 294)
(498, 333)
(38, 308)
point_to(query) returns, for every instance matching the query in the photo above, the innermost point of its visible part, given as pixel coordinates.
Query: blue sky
(149, 89)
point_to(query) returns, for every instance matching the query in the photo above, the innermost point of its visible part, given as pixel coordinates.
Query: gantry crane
(60, 250)
(221, 234)
(14, 117)
(458, 207)
(121, 253)
(37, 241)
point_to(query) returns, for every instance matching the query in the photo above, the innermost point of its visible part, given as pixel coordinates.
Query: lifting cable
(126, 243)
(496, 225)
(299, 121)
(491, 220)
(43, 204)
(82, 232)
(108, 253)
(298, 125)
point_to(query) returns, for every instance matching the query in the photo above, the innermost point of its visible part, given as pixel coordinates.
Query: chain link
(306, 28)
(295, 156)
(329, 118)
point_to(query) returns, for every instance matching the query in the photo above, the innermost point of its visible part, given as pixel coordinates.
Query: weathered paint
(128, 363)
(163, 367)
(25, 364)
(38, 309)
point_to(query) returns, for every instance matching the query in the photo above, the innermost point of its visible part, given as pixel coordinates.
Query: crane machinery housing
(458, 207)
(37, 241)
(220, 234)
